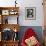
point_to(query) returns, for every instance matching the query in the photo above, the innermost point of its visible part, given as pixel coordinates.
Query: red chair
(29, 33)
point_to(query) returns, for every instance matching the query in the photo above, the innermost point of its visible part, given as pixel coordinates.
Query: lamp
(15, 35)
(15, 3)
(15, 30)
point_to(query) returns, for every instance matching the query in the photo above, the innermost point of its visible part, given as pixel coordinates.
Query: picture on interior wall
(30, 13)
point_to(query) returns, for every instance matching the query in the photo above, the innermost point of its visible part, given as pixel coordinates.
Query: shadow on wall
(37, 29)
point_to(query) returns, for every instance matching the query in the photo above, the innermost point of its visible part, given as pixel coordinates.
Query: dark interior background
(37, 29)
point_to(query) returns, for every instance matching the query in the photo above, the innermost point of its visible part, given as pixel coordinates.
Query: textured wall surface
(26, 3)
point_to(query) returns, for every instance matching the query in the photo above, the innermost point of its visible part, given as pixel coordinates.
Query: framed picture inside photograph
(0, 36)
(30, 13)
(5, 12)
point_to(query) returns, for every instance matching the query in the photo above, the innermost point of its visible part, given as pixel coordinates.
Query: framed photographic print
(0, 19)
(5, 12)
(13, 20)
(30, 13)
(0, 36)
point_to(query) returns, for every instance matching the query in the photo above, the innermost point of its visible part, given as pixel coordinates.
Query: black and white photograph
(30, 12)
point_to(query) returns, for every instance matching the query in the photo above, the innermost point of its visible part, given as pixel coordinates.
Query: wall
(39, 13)
(27, 3)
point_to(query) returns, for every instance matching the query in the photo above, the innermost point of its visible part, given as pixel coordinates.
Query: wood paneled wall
(44, 8)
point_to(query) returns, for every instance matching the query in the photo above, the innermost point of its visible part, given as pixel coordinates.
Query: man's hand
(31, 41)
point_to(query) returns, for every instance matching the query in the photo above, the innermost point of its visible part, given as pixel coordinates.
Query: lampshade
(15, 30)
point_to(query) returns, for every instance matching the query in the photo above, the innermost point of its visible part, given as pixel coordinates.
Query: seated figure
(30, 38)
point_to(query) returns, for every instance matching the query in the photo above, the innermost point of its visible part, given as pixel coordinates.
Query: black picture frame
(30, 13)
